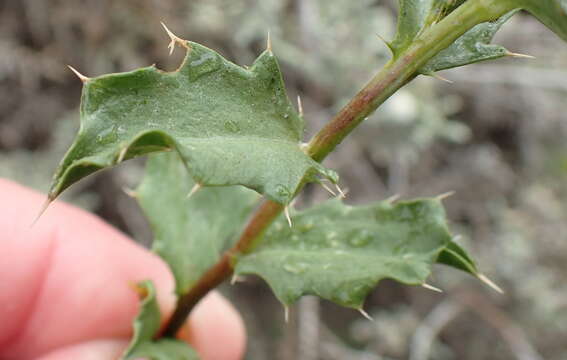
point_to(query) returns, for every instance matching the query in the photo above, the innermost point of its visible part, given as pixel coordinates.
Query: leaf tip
(490, 283)
(365, 314)
(432, 288)
(82, 77)
(174, 39)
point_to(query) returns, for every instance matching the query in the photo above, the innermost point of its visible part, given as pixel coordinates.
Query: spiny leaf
(473, 46)
(231, 125)
(340, 252)
(146, 327)
(189, 233)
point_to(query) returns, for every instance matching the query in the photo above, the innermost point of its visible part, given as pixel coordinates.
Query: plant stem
(396, 73)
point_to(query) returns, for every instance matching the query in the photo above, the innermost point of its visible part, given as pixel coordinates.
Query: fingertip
(215, 329)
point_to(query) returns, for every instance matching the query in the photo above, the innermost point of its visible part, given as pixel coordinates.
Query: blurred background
(495, 136)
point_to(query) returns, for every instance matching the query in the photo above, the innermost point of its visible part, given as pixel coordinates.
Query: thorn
(439, 77)
(122, 155)
(194, 190)
(343, 194)
(174, 39)
(518, 55)
(286, 314)
(431, 287)
(328, 188)
(385, 43)
(299, 106)
(269, 42)
(393, 198)
(235, 278)
(445, 195)
(286, 211)
(130, 192)
(490, 283)
(42, 210)
(365, 314)
(83, 78)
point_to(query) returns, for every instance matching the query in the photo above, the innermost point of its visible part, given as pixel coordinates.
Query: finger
(90, 350)
(215, 329)
(72, 274)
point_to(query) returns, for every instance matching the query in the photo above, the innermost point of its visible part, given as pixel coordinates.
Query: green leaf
(146, 327)
(474, 46)
(415, 16)
(453, 255)
(232, 126)
(190, 234)
(340, 252)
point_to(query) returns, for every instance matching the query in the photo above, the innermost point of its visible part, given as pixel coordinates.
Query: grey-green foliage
(230, 125)
(189, 233)
(340, 252)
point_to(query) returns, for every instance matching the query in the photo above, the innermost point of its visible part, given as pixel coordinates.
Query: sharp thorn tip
(365, 314)
(269, 42)
(82, 77)
(431, 287)
(42, 210)
(518, 55)
(194, 189)
(443, 196)
(287, 216)
(490, 283)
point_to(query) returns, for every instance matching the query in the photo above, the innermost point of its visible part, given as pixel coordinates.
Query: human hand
(66, 287)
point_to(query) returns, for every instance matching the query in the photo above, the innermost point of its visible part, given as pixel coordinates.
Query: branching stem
(396, 73)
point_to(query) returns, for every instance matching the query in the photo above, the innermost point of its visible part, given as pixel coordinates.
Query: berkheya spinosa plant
(228, 135)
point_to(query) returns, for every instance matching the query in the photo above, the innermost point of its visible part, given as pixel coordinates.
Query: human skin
(66, 287)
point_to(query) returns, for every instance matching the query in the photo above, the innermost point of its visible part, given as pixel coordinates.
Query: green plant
(222, 126)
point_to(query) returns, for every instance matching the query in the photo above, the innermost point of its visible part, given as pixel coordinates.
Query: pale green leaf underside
(146, 326)
(340, 252)
(190, 233)
(232, 126)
